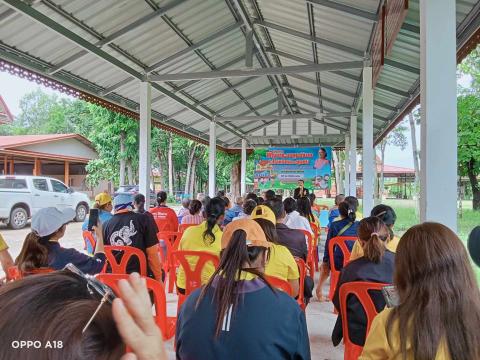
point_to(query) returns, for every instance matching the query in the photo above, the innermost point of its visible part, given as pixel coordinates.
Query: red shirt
(165, 218)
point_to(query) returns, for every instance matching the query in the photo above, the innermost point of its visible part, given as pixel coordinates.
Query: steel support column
(347, 165)
(145, 138)
(353, 156)
(243, 169)
(211, 160)
(438, 156)
(368, 149)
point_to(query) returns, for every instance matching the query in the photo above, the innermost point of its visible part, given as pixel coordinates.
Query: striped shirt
(193, 219)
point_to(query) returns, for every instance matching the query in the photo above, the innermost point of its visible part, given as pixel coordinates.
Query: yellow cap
(263, 212)
(103, 198)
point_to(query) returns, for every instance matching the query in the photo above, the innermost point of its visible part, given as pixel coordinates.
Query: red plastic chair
(89, 241)
(316, 237)
(360, 289)
(128, 253)
(311, 253)
(193, 277)
(280, 284)
(183, 227)
(171, 239)
(339, 241)
(165, 323)
(302, 269)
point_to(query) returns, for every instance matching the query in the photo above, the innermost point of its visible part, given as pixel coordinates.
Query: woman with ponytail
(41, 250)
(204, 237)
(346, 226)
(388, 216)
(237, 315)
(376, 265)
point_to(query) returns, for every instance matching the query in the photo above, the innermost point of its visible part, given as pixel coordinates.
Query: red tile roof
(8, 142)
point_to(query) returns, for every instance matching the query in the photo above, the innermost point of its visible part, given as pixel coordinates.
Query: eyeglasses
(94, 287)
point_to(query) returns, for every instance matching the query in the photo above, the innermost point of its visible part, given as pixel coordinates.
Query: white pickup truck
(21, 196)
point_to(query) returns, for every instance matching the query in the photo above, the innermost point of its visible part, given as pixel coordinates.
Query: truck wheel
(18, 218)
(81, 211)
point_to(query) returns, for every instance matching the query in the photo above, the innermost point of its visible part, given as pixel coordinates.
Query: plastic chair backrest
(90, 241)
(173, 237)
(159, 298)
(193, 277)
(128, 253)
(183, 227)
(280, 284)
(302, 269)
(323, 218)
(360, 289)
(311, 252)
(316, 231)
(340, 242)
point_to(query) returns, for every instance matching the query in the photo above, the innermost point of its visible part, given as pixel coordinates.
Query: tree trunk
(383, 146)
(191, 185)
(170, 164)
(338, 173)
(416, 164)
(122, 158)
(235, 179)
(161, 174)
(130, 173)
(191, 158)
(474, 183)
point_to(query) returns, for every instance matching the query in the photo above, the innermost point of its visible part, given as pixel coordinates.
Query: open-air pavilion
(245, 73)
(237, 74)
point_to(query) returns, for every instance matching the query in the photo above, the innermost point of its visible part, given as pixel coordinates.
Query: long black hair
(304, 208)
(387, 215)
(348, 211)
(232, 261)
(214, 209)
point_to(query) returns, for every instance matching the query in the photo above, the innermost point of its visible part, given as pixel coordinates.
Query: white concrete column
(145, 138)
(347, 165)
(243, 169)
(438, 149)
(367, 142)
(212, 152)
(353, 156)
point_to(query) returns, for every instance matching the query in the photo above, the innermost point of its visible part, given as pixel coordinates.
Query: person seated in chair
(128, 228)
(204, 237)
(41, 250)
(165, 217)
(376, 265)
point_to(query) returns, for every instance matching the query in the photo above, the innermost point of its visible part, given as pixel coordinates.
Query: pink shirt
(193, 219)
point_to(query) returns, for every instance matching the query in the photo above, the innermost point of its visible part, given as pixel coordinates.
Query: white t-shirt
(295, 221)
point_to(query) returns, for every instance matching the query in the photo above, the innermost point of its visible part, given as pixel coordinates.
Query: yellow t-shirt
(377, 347)
(3, 244)
(281, 264)
(357, 251)
(192, 240)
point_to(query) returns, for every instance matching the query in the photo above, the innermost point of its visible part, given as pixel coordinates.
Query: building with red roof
(6, 116)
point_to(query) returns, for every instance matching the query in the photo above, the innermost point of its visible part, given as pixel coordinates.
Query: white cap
(48, 220)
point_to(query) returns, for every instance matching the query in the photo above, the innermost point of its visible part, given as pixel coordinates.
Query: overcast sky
(12, 89)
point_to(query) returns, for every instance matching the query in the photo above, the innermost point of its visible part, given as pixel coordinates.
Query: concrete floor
(320, 317)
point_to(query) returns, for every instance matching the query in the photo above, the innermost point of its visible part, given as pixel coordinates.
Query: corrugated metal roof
(149, 40)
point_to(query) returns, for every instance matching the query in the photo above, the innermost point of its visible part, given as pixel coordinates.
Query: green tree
(468, 111)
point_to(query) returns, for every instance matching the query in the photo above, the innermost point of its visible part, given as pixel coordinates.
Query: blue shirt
(58, 257)
(103, 216)
(332, 215)
(333, 231)
(266, 324)
(232, 213)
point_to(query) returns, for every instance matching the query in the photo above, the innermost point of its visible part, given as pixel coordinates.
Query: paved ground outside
(320, 317)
